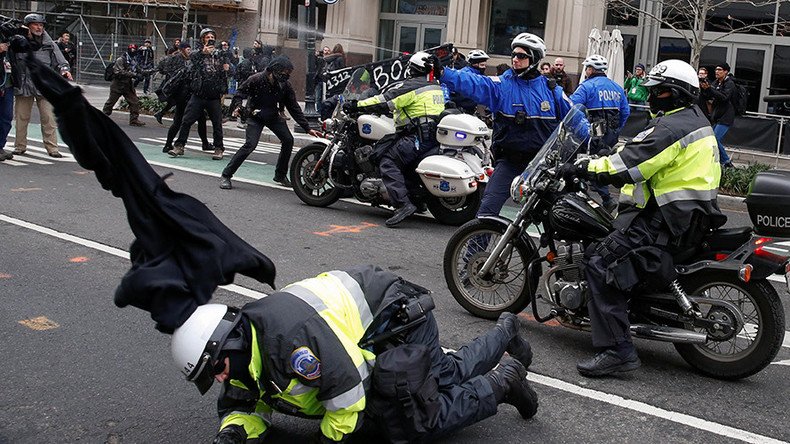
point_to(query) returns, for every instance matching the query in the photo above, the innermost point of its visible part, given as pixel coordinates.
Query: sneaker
(510, 386)
(224, 183)
(18, 151)
(136, 123)
(4, 155)
(178, 150)
(400, 214)
(208, 147)
(608, 362)
(56, 155)
(283, 181)
(158, 117)
(218, 154)
(167, 148)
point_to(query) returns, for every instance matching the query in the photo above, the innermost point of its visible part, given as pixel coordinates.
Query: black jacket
(209, 78)
(265, 97)
(722, 93)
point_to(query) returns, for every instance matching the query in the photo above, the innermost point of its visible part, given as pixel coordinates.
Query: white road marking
(110, 250)
(615, 400)
(13, 162)
(784, 362)
(32, 157)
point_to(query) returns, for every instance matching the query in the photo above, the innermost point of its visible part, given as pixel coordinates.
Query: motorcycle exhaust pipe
(668, 334)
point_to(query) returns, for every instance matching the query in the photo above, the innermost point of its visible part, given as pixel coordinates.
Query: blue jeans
(6, 114)
(720, 130)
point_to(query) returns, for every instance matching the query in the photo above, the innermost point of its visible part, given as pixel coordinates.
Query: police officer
(417, 103)
(608, 109)
(477, 66)
(264, 92)
(124, 73)
(669, 174)
(209, 83)
(527, 107)
(309, 350)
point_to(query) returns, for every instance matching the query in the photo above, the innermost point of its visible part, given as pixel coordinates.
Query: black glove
(438, 69)
(232, 434)
(570, 170)
(350, 107)
(19, 44)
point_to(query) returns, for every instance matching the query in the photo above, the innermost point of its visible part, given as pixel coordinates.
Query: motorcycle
(449, 183)
(723, 316)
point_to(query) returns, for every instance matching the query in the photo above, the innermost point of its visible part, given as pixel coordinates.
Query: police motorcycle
(722, 315)
(450, 183)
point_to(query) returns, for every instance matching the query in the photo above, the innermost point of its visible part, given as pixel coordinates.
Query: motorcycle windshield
(359, 86)
(564, 142)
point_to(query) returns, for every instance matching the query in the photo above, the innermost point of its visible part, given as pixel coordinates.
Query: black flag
(182, 252)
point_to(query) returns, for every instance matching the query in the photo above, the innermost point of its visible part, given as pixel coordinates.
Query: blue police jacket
(526, 112)
(462, 101)
(604, 99)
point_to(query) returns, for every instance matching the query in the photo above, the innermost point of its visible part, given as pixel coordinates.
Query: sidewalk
(97, 95)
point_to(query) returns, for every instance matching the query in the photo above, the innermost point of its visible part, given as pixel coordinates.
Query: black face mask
(479, 69)
(281, 76)
(658, 104)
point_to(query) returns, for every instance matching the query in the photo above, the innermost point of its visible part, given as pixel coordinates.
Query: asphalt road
(80, 369)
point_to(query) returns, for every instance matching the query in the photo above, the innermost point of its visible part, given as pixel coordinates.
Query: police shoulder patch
(305, 363)
(643, 135)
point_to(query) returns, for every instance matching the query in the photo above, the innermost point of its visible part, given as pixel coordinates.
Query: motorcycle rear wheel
(456, 210)
(755, 345)
(505, 289)
(318, 191)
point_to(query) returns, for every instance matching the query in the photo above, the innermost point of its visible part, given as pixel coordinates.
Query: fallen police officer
(309, 349)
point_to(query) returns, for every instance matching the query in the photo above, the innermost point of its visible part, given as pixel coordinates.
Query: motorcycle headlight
(517, 189)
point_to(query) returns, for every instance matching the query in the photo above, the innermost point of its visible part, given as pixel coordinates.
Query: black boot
(608, 362)
(158, 117)
(517, 347)
(401, 213)
(283, 181)
(510, 386)
(224, 183)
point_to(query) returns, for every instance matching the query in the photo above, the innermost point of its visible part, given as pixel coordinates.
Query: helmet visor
(204, 375)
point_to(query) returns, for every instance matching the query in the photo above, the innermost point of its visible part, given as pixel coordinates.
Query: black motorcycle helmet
(34, 18)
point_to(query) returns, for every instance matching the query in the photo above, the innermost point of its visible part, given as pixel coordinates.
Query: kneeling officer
(309, 350)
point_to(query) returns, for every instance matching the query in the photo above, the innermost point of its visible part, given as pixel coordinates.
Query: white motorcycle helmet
(597, 62)
(676, 75)
(197, 343)
(477, 56)
(534, 46)
(419, 64)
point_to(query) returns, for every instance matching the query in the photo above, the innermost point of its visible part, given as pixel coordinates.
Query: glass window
(710, 57)
(386, 37)
(783, 29)
(388, 5)
(623, 15)
(735, 15)
(669, 48)
(509, 18)
(423, 7)
(780, 76)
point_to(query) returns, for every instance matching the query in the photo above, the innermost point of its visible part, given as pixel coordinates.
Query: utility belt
(424, 128)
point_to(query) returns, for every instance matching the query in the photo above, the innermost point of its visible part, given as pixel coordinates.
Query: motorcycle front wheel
(505, 288)
(757, 341)
(456, 210)
(314, 190)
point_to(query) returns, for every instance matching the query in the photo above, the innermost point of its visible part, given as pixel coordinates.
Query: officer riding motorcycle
(416, 104)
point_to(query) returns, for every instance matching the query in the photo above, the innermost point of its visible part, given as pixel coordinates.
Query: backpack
(740, 97)
(170, 86)
(109, 72)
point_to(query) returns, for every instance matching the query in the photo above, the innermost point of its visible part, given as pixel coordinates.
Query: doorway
(412, 37)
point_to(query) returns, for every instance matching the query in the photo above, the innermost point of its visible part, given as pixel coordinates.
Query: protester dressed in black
(264, 92)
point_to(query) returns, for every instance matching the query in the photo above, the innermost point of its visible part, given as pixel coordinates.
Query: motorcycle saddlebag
(768, 203)
(445, 176)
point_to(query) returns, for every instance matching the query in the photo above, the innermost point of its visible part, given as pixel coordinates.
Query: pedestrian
(721, 92)
(476, 65)
(124, 74)
(69, 50)
(608, 110)
(336, 59)
(637, 93)
(145, 65)
(318, 80)
(261, 55)
(669, 175)
(264, 92)
(458, 60)
(526, 107)
(705, 104)
(563, 79)
(209, 82)
(502, 68)
(6, 102)
(172, 66)
(416, 104)
(319, 348)
(25, 92)
(545, 69)
(174, 49)
(244, 70)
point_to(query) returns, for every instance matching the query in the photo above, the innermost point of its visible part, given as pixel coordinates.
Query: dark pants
(497, 191)
(178, 118)
(603, 143)
(396, 163)
(465, 396)
(195, 110)
(123, 88)
(253, 135)
(6, 114)
(608, 305)
(236, 102)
